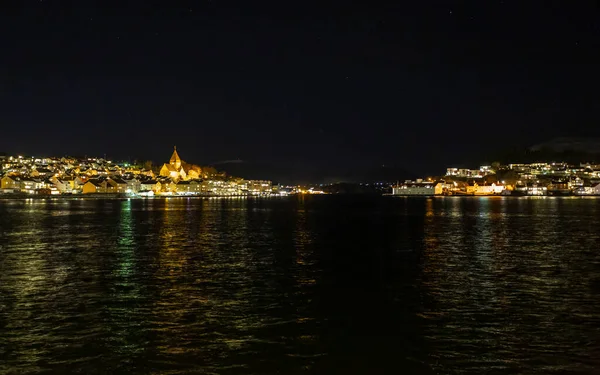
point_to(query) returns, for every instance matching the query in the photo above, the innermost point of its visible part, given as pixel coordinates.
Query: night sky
(308, 90)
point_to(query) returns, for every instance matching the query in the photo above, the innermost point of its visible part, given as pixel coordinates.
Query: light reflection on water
(312, 284)
(510, 291)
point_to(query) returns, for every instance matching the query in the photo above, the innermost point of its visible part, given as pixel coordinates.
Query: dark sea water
(321, 284)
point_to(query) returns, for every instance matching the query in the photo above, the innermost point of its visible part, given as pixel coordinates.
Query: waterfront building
(537, 190)
(418, 187)
(588, 190)
(559, 187)
(257, 187)
(492, 189)
(150, 185)
(192, 187)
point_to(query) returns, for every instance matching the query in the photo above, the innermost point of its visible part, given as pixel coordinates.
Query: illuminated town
(534, 179)
(98, 176)
(54, 176)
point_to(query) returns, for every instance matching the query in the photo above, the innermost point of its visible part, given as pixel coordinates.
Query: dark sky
(312, 90)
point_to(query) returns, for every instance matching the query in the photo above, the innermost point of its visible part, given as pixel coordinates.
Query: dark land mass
(378, 174)
(354, 188)
(278, 172)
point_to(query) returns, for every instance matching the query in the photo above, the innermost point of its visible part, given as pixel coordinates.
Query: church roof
(175, 157)
(170, 167)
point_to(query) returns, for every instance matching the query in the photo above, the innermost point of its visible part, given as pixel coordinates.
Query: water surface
(323, 284)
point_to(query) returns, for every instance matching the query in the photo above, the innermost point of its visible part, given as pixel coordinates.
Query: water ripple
(301, 285)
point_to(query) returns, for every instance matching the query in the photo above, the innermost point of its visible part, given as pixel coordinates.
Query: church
(177, 169)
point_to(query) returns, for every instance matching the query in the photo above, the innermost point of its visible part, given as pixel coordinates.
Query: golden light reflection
(486, 260)
(127, 288)
(303, 241)
(126, 242)
(306, 272)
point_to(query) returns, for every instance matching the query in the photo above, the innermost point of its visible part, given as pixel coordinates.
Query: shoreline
(491, 196)
(121, 197)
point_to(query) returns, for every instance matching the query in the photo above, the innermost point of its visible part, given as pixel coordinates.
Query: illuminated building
(174, 168)
(8, 182)
(177, 169)
(94, 186)
(418, 187)
(150, 185)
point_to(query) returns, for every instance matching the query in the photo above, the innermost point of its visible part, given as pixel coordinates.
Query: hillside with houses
(541, 178)
(20, 175)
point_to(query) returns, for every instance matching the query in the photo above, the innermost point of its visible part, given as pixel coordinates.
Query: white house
(418, 188)
(588, 190)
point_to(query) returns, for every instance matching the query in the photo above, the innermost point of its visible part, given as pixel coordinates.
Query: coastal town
(54, 176)
(101, 177)
(533, 179)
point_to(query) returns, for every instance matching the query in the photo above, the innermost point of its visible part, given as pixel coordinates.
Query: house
(116, 185)
(150, 185)
(41, 172)
(30, 185)
(167, 185)
(133, 185)
(94, 186)
(8, 182)
(62, 186)
(51, 187)
(70, 184)
(112, 171)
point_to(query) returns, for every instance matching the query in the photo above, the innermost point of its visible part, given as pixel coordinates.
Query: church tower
(175, 159)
